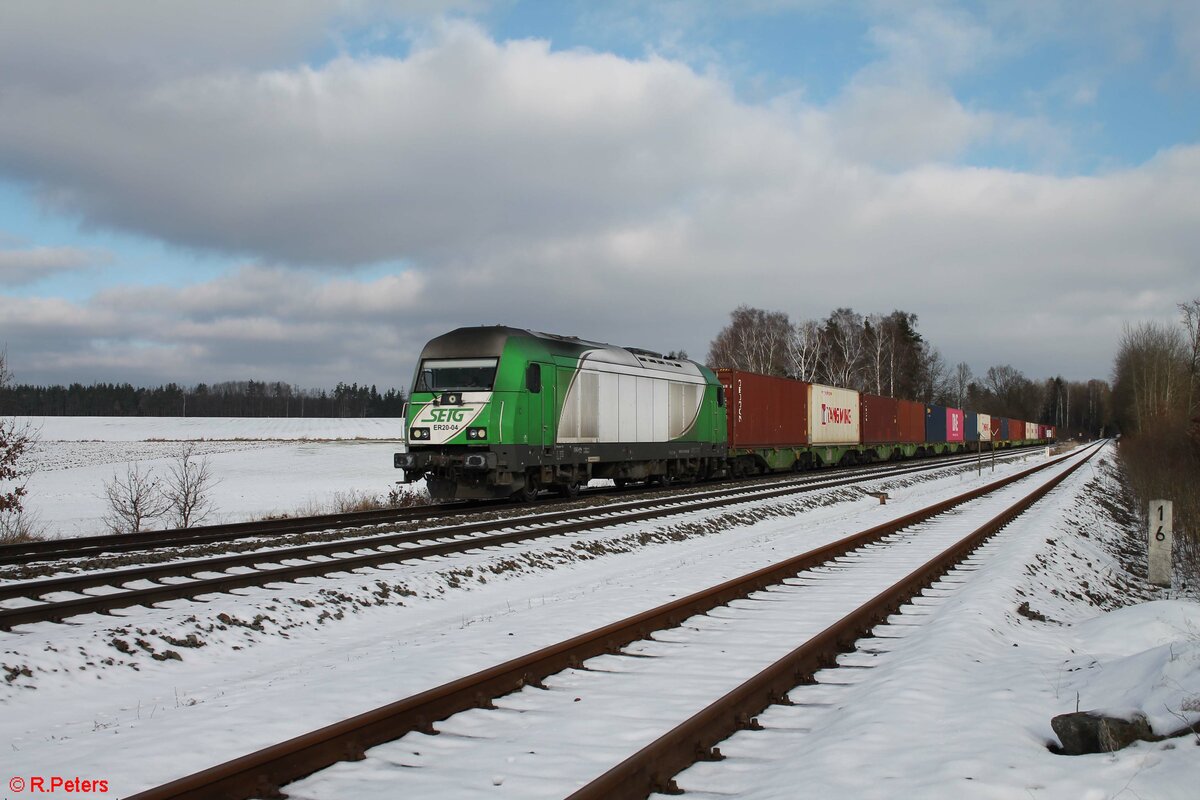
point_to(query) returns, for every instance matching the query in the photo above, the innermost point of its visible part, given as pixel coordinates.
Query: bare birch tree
(960, 381)
(1191, 322)
(134, 500)
(879, 345)
(931, 373)
(805, 347)
(843, 351)
(754, 340)
(187, 489)
(1152, 379)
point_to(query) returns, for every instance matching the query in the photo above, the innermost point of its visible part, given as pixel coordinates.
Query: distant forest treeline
(229, 399)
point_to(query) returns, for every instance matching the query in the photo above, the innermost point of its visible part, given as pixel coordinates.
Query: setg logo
(447, 415)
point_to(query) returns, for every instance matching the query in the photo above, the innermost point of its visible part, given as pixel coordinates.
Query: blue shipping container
(971, 426)
(935, 424)
(1003, 429)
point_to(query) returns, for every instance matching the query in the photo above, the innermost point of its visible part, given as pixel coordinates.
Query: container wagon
(767, 420)
(834, 420)
(912, 426)
(880, 420)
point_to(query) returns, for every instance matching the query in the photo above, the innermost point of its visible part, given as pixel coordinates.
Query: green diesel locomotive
(498, 411)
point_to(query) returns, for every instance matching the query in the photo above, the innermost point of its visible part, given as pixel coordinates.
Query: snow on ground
(261, 467)
(959, 707)
(958, 704)
(188, 429)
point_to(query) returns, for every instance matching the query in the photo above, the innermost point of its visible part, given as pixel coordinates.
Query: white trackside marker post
(1160, 542)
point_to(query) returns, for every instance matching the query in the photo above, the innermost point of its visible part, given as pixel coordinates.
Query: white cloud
(255, 322)
(65, 44)
(464, 142)
(32, 264)
(932, 41)
(627, 200)
(898, 126)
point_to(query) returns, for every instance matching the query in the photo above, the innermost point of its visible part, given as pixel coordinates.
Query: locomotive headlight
(418, 434)
(476, 433)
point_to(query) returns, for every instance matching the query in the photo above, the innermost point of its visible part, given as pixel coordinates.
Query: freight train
(497, 412)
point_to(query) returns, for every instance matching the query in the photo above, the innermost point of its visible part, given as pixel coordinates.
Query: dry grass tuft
(20, 527)
(1164, 463)
(354, 500)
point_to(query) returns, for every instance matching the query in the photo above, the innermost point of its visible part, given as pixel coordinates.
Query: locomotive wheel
(529, 492)
(568, 490)
(620, 483)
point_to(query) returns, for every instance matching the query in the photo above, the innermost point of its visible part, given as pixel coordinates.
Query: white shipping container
(833, 415)
(984, 425)
(1031, 431)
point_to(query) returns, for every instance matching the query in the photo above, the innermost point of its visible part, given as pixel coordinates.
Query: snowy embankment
(260, 467)
(961, 690)
(959, 705)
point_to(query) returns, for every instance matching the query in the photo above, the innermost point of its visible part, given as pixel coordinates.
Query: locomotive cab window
(533, 378)
(456, 375)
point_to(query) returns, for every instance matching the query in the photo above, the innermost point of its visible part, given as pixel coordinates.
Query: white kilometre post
(1160, 542)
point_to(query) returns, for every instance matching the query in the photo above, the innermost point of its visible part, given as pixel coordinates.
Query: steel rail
(121, 542)
(462, 538)
(654, 767)
(89, 546)
(263, 773)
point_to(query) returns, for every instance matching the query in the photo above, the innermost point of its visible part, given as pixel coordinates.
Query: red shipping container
(764, 411)
(880, 419)
(1016, 429)
(954, 425)
(995, 423)
(911, 419)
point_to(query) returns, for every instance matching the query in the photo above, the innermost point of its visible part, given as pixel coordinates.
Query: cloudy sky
(309, 191)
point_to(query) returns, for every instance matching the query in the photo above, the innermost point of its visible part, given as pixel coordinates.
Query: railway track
(175, 539)
(620, 695)
(92, 546)
(24, 601)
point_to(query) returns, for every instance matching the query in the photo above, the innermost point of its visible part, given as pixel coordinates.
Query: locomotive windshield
(456, 375)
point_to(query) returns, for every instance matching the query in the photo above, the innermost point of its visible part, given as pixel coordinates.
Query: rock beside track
(1084, 732)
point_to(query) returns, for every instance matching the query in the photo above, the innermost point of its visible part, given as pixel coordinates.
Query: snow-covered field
(959, 705)
(260, 466)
